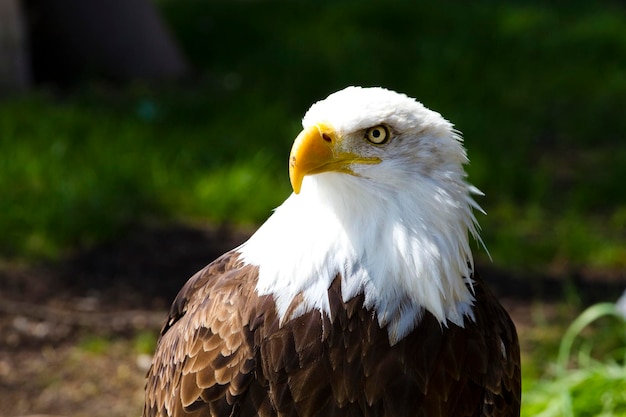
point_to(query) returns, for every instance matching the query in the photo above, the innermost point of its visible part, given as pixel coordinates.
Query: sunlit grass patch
(144, 342)
(95, 344)
(581, 384)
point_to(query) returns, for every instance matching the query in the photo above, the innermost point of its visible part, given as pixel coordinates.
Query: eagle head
(383, 136)
(381, 202)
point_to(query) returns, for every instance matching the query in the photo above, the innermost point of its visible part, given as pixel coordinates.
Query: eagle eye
(377, 134)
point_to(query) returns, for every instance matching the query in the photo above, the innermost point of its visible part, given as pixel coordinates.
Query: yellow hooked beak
(317, 150)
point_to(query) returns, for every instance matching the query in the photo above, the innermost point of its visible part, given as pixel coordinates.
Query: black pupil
(376, 133)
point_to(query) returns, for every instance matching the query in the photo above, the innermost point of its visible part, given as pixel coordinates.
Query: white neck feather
(405, 248)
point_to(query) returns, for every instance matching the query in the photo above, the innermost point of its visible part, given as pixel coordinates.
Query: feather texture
(325, 365)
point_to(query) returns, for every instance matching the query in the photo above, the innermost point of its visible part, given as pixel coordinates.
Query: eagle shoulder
(502, 377)
(204, 361)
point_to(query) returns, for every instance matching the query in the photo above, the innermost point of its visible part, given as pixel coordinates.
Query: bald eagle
(358, 296)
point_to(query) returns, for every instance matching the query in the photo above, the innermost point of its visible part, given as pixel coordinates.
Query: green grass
(80, 173)
(538, 90)
(589, 376)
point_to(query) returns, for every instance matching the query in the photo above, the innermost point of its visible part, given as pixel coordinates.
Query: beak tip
(296, 181)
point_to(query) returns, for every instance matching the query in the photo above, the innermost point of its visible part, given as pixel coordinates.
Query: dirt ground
(75, 336)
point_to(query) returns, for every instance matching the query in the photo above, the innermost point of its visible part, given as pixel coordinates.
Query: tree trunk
(14, 62)
(117, 39)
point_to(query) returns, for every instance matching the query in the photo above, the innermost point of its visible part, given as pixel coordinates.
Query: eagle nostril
(327, 137)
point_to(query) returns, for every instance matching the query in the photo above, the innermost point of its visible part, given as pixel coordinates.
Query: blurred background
(141, 139)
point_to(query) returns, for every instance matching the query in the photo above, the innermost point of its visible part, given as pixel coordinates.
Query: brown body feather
(223, 353)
